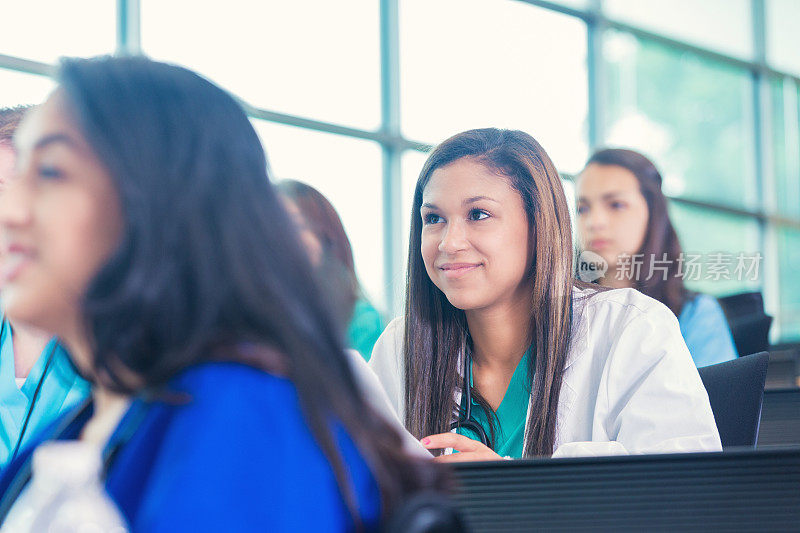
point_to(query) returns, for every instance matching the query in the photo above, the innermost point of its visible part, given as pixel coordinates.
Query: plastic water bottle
(66, 494)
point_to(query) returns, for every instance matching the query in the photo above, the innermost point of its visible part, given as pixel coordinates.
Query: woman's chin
(15, 308)
(19, 308)
(465, 301)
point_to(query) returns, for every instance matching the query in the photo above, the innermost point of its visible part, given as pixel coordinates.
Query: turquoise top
(365, 328)
(512, 413)
(61, 390)
(706, 332)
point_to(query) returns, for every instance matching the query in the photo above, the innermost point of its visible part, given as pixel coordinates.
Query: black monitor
(752, 490)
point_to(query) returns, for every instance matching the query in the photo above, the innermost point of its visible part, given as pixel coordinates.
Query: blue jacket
(229, 451)
(706, 332)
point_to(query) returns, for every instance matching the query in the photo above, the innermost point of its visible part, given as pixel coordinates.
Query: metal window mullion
(765, 171)
(791, 128)
(792, 166)
(129, 27)
(596, 77)
(390, 129)
(26, 66)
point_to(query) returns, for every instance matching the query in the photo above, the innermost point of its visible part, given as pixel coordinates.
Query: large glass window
(664, 88)
(785, 145)
(410, 167)
(348, 172)
(789, 295)
(44, 30)
(722, 25)
(721, 252)
(569, 193)
(309, 58)
(19, 88)
(783, 39)
(472, 64)
(692, 116)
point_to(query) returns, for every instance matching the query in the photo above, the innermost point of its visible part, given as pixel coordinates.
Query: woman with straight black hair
(143, 230)
(501, 352)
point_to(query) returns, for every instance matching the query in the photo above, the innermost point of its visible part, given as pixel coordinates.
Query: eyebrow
(467, 201)
(606, 196)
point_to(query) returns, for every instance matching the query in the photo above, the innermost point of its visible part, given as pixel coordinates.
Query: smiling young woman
(501, 352)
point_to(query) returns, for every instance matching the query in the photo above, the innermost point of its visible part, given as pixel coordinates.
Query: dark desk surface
(784, 366)
(780, 418)
(735, 490)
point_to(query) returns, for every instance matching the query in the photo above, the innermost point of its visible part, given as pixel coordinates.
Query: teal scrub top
(365, 328)
(706, 332)
(512, 413)
(61, 390)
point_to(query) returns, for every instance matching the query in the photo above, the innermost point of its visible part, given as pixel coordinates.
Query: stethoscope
(36, 392)
(465, 419)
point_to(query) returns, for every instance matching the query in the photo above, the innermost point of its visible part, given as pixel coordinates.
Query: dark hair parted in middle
(209, 266)
(436, 332)
(660, 239)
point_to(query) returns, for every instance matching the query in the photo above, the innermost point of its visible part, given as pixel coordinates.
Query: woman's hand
(469, 450)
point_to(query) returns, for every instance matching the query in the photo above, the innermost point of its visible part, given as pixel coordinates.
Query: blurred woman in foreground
(144, 232)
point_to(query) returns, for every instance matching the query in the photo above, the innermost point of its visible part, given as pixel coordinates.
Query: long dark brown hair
(209, 265)
(436, 331)
(660, 237)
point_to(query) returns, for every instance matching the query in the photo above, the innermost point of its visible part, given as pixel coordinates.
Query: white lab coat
(629, 384)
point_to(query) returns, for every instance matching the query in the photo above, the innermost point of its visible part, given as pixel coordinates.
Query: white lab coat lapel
(566, 401)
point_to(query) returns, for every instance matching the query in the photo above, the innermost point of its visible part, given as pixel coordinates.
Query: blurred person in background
(622, 212)
(149, 239)
(323, 235)
(37, 379)
(337, 281)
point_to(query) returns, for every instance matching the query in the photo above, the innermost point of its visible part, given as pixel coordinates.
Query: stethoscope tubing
(467, 422)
